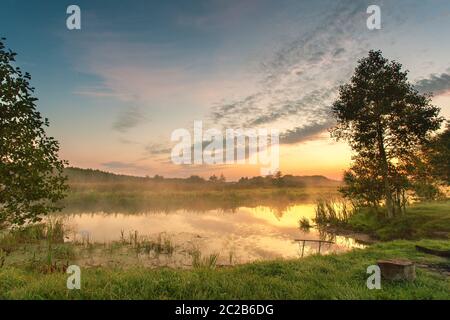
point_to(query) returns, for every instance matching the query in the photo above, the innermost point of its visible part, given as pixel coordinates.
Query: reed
(304, 224)
(333, 212)
(200, 262)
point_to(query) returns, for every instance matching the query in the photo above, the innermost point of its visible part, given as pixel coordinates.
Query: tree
(31, 175)
(362, 183)
(158, 177)
(195, 179)
(385, 120)
(213, 178)
(438, 153)
(278, 179)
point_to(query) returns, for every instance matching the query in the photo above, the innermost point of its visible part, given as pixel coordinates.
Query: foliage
(423, 220)
(438, 152)
(31, 175)
(386, 122)
(332, 212)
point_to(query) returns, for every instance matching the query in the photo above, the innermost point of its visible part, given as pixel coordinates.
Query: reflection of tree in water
(135, 202)
(279, 209)
(326, 235)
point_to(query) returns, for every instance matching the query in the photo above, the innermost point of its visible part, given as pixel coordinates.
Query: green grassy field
(422, 220)
(315, 277)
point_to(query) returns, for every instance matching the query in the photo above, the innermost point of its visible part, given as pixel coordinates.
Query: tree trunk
(385, 173)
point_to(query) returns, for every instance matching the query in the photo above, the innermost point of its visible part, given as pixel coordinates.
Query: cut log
(397, 269)
(440, 253)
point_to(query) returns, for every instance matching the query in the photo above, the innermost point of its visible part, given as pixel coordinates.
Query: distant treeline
(78, 177)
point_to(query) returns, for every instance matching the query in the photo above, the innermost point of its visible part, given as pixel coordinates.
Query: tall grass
(203, 262)
(161, 245)
(50, 234)
(333, 212)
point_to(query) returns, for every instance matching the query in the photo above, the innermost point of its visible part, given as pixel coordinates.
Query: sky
(115, 90)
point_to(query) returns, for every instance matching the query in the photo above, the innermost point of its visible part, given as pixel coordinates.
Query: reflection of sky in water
(249, 233)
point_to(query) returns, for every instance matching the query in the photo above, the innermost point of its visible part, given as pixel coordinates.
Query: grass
(39, 247)
(207, 262)
(422, 220)
(162, 245)
(316, 277)
(334, 212)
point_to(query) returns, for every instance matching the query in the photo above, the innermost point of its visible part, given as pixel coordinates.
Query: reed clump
(203, 262)
(334, 212)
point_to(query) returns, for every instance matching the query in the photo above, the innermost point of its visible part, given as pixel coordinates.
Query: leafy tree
(421, 179)
(438, 152)
(385, 120)
(195, 179)
(158, 177)
(278, 179)
(362, 183)
(31, 175)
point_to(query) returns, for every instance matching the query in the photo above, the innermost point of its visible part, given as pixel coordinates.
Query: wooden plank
(435, 252)
(320, 241)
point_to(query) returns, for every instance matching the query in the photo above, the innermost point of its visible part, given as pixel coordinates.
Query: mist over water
(245, 234)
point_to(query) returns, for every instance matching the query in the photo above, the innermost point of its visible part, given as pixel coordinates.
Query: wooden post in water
(303, 248)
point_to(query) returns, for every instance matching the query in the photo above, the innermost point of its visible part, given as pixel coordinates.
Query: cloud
(128, 119)
(136, 71)
(300, 80)
(436, 84)
(306, 133)
(157, 149)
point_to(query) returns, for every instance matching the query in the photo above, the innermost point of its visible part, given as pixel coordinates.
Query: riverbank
(428, 220)
(341, 276)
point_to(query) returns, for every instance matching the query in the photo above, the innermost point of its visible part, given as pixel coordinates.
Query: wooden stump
(396, 269)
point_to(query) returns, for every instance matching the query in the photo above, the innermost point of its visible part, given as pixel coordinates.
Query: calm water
(244, 235)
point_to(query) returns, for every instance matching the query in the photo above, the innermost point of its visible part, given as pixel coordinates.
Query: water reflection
(245, 234)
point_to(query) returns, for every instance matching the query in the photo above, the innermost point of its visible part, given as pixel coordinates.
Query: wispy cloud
(308, 132)
(128, 119)
(157, 149)
(301, 80)
(436, 84)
